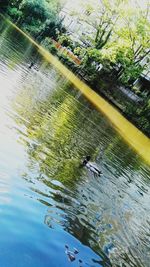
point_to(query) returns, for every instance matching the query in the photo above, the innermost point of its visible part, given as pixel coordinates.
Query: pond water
(54, 212)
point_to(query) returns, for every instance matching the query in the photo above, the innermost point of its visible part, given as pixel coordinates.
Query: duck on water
(31, 65)
(91, 166)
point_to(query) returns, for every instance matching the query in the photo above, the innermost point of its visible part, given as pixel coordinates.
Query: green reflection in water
(57, 127)
(59, 130)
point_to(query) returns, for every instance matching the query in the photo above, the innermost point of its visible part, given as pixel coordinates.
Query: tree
(99, 22)
(66, 41)
(44, 21)
(134, 39)
(121, 43)
(38, 9)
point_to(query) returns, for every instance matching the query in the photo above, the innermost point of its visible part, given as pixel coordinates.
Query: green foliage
(52, 28)
(44, 20)
(47, 42)
(119, 39)
(130, 74)
(34, 7)
(34, 29)
(77, 50)
(116, 38)
(146, 109)
(80, 52)
(93, 54)
(14, 13)
(66, 41)
(143, 122)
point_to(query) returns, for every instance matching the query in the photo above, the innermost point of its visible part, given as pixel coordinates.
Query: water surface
(47, 200)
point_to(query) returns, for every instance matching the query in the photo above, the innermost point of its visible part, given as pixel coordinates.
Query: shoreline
(132, 135)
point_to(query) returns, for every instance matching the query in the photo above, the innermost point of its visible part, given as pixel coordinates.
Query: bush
(48, 44)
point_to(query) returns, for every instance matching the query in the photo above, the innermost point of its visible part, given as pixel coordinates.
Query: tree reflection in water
(59, 127)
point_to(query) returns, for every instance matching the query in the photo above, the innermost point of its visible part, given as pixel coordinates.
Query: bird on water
(91, 166)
